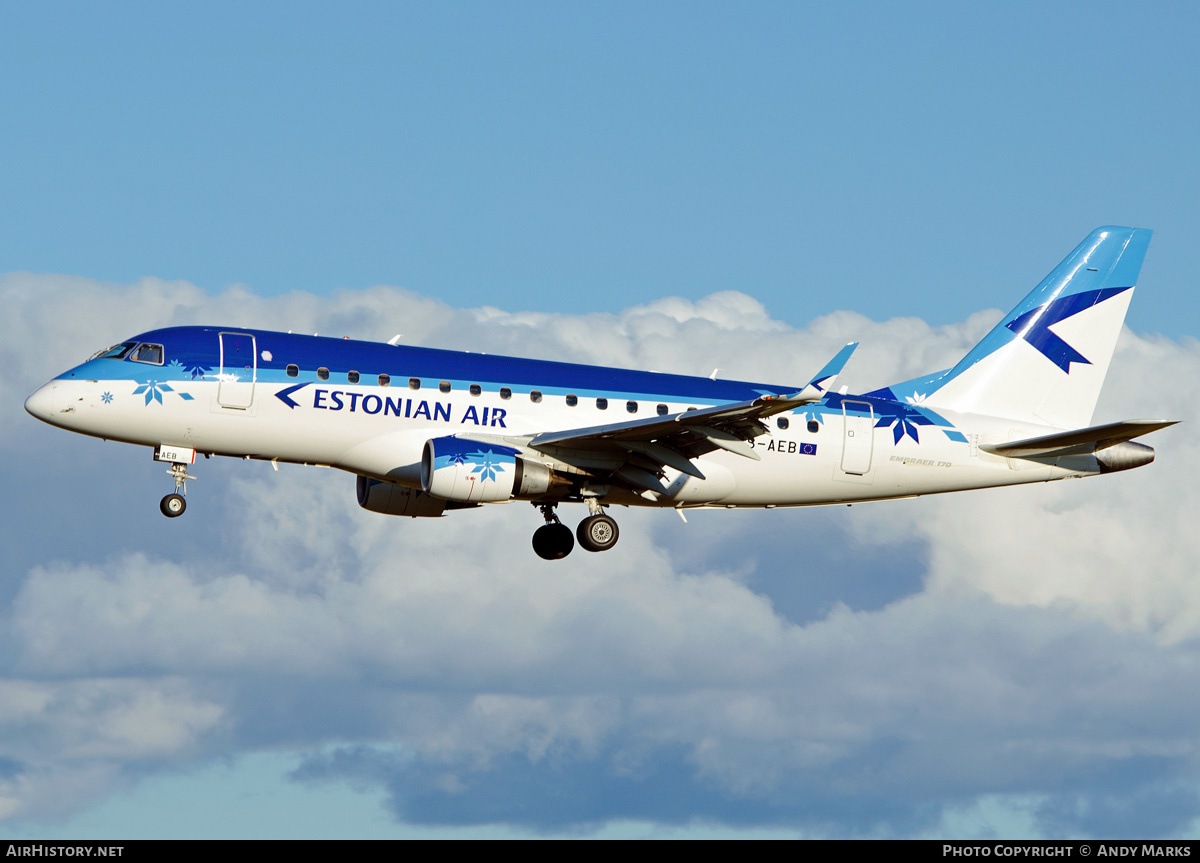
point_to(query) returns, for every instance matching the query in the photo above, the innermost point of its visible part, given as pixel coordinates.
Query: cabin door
(859, 437)
(239, 368)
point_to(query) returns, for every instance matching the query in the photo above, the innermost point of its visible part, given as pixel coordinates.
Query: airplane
(428, 431)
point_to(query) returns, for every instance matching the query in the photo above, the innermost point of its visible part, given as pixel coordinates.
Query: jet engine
(469, 470)
(391, 499)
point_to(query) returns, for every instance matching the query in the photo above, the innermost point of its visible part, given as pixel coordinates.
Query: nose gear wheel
(173, 505)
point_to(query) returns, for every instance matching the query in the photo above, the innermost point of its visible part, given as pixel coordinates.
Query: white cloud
(1052, 638)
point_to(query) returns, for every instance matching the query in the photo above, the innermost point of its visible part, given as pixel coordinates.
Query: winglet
(815, 389)
(824, 379)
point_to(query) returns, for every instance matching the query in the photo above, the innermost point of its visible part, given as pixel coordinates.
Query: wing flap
(664, 455)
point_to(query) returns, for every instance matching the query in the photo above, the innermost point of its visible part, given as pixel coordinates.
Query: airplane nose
(42, 401)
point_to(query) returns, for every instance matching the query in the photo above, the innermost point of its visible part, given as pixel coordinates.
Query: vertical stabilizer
(1046, 361)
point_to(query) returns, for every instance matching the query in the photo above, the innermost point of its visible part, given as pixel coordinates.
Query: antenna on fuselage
(395, 340)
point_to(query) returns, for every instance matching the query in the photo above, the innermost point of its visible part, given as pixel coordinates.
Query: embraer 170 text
(428, 431)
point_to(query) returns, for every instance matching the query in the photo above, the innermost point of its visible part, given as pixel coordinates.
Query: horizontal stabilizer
(1077, 442)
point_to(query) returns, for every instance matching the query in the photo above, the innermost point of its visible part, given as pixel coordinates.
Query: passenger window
(631, 407)
(783, 422)
(322, 374)
(814, 426)
(535, 396)
(505, 393)
(572, 400)
(444, 386)
(152, 354)
(602, 404)
(476, 389)
(414, 383)
(385, 380)
(662, 410)
(293, 370)
(352, 377)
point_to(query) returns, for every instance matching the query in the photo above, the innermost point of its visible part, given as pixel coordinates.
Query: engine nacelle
(391, 499)
(465, 470)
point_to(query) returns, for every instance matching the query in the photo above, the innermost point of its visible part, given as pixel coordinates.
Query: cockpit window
(116, 352)
(146, 353)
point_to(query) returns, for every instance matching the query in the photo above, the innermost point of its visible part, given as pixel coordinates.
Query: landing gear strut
(597, 532)
(173, 505)
(553, 540)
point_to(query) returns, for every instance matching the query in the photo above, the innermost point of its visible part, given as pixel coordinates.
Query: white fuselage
(380, 432)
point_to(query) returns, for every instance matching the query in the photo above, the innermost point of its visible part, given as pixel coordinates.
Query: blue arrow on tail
(1034, 325)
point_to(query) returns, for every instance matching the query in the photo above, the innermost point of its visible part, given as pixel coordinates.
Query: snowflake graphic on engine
(486, 465)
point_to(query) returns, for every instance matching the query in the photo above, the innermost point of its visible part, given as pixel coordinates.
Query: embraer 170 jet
(428, 431)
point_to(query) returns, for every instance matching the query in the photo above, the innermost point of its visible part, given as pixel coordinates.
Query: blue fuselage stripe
(187, 349)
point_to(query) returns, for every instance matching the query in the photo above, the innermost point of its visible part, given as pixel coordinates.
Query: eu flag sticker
(808, 449)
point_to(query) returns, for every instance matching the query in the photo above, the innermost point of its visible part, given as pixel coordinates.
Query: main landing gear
(173, 505)
(553, 540)
(597, 532)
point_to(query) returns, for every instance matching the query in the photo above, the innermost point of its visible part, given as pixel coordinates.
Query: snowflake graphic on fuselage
(197, 372)
(153, 390)
(107, 398)
(486, 465)
(903, 419)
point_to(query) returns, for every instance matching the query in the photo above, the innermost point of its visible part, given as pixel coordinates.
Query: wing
(635, 452)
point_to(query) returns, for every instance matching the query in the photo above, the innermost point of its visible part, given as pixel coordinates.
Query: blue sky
(880, 172)
(820, 157)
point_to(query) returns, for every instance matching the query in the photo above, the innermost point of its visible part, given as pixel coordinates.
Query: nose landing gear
(173, 505)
